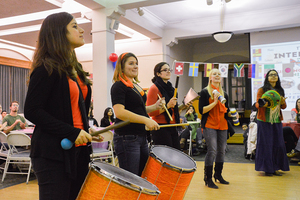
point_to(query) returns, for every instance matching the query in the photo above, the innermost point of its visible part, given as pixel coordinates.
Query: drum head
(174, 157)
(125, 178)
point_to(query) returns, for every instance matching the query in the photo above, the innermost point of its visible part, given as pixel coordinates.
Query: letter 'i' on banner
(179, 68)
(207, 69)
(238, 70)
(193, 70)
(224, 70)
(288, 69)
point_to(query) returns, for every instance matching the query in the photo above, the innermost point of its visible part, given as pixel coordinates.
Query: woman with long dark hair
(108, 118)
(57, 102)
(163, 88)
(270, 148)
(296, 111)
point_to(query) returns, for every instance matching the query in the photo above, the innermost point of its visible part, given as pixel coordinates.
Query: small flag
(238, 70)
(249, 71)
(294, 61)
(288, 69)
(268, 67)
(193, 70)
(254, 71)
(179, 68)
(207, 69)
(256, 55)
(224, 70)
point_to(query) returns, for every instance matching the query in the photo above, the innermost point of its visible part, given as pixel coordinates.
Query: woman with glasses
(162, 88)
(270, 148)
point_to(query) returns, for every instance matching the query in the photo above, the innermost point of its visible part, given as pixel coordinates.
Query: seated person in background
(3, 114)
(295, 152)
(191, 115)
(108, 118)
(92, 120)
(14, 121)
(295, 111)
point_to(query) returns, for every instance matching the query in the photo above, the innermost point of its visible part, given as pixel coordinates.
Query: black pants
(166, 136)
(54, 182)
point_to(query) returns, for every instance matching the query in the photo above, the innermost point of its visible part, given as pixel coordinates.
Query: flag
(224, 70)
(207, 68)
(256, 55)
(258, 71)
(179, 68)
(288, 69)
(268, 67)
(238, 70)
(193, 70)
(253, 70)
(249, 71)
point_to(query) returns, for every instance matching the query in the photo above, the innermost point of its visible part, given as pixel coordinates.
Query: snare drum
(108, 182)
(170, 170)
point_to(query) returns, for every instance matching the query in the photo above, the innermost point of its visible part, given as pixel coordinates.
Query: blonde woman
(214, 124)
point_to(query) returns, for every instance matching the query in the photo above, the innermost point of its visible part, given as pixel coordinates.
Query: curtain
(13, 86)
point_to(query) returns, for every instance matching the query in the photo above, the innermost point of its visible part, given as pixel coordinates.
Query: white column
(103, 46)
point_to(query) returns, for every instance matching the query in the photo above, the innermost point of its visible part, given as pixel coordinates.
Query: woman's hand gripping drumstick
(164, 105)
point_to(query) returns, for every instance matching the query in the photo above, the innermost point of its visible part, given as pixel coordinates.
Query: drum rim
(173, 167)
(124, 183)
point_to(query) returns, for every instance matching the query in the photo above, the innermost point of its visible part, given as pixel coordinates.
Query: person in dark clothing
(163, 88)
(128, 100)
(57, 102)
(108, 118)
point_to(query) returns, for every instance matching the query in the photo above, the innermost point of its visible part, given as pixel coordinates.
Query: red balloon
(113, 57)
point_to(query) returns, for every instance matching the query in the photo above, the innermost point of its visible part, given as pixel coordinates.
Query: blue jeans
(132, 152)
(216, 141)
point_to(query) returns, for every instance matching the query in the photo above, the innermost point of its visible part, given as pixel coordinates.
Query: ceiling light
(222, 36)
(140, 11)
(209, 2)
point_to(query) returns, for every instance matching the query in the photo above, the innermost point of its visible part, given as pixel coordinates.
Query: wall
(276, 36)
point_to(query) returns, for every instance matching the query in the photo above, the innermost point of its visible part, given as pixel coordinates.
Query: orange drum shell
(95, 186)
(166, 178)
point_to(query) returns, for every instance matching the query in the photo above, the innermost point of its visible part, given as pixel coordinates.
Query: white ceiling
(171, 19)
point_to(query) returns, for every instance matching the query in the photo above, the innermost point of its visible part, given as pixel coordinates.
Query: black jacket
(48, 106)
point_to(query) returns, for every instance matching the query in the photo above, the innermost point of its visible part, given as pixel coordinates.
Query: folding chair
(17, 157)
(102, 153)
(4, 148)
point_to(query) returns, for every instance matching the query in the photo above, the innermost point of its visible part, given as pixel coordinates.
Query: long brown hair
(54, 50)
(120, 65)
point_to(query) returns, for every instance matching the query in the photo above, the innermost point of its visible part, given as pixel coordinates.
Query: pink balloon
(113, 57)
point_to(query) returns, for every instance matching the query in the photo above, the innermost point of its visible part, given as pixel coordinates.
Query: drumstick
(67, 144)
(166, 109)
(176, 86)
(170, 125)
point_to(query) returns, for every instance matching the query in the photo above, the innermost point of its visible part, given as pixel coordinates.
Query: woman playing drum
(128, 100)
(270, 149)
(162, 88)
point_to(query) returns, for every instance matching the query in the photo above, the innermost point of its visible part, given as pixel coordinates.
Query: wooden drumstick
(176, 86)
(166, 109)
(171, 125)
